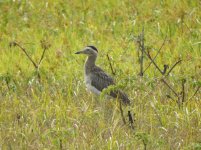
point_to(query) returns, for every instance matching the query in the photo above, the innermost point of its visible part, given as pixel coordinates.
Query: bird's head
(89, 50)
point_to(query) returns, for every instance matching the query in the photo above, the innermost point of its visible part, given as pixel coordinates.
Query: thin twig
(113, 72)
(169, 87)
(29, 57)
(168, 96)
(24, 50)
(196, 91)
(142, 51)
(162, 74)
(122, 114)
(42, 56)
(183, 90)
(149, 56)
(173, 67)
(156, 54)
(178, 101)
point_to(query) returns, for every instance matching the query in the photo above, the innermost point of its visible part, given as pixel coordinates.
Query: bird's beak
(80, 52)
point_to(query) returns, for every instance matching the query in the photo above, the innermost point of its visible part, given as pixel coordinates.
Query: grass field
(56, 112)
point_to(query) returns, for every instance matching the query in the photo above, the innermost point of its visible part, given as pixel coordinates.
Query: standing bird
(96, 79)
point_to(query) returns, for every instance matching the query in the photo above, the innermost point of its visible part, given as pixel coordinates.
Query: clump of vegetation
(152, 48)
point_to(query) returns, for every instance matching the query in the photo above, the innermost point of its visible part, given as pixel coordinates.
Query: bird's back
(100, 80)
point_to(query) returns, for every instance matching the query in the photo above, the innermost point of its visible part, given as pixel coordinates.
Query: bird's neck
(90, 62)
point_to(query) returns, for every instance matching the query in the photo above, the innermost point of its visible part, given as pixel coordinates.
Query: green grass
(58, 112)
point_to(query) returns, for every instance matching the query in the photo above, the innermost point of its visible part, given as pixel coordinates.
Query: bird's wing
(100, 80)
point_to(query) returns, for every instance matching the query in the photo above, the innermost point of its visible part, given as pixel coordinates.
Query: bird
(96, 79)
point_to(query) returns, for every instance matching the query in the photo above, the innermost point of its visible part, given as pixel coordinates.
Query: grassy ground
(58, 113)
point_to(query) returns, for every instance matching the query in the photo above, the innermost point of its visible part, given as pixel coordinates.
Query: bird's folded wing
(100, 80)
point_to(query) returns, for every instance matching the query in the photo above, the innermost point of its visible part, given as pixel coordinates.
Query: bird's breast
(89, 86)
(87, 79)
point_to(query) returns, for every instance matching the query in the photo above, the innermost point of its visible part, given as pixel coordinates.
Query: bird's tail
(121, 95)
